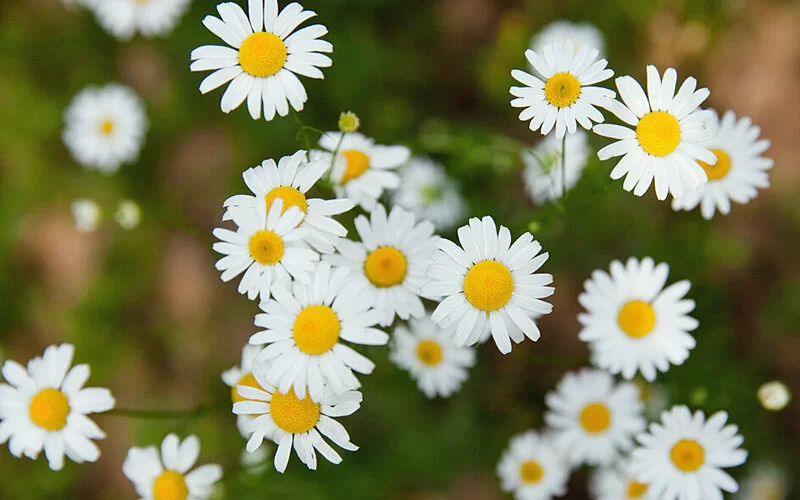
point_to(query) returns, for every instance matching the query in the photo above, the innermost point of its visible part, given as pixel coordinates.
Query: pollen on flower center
(636, 489)
(562, 90)
(316, 330)
(106, 127)
(531, 472)
(357, 164)
(488, 285)
(170, 485)
(688, 455)
(250, 381)
(595, 418)
(720, 169)
(266, 247)
(429, 352)
(291, 198)
(49, 409)
(659, 133)
(637, 318)
(262, 54)
(385, 267)
(294, 415)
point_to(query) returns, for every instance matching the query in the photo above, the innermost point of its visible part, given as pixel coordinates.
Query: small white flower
(562, 30)
(167, 476)
(242, 375)
(128, 214)
(618, 483)
(531, 468)
(543, 169)
(104, 127)
(683, 456)
(765, 481)
(87, 215)
(124, 18)
(426, 190)
(46, 407)
(774, 396)
(427, 351)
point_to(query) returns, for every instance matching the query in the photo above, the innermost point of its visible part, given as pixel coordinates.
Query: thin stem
(564, 166)
(196, 412)
(336, 150)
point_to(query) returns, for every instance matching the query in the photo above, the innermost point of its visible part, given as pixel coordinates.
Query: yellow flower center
(292, 414)
(250, 381)
(595, 418)
(316, 329)
(562, 90)
(385, 267)
(357, 164)
(170, 485)
(107, 127)
(720, 169)
(688, 455)
(659, 133)
(531, 472)
(488, 285)
(291, 198)
(429, 352)
(262, 54)
(637, 318)
(636, 489)
(49, 409)
(266, 247)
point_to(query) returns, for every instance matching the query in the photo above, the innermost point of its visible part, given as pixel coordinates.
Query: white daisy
(489, 285)
(428, 353)
(531, 468)
(566, 97)
(592, 418)
(426, 190)
(543, 170)
(104, 127)
(167, 476)
(128, 214)
(633, 323)
(87, 215)
(739, 170)
(305, 328)
(242, 375)
(390, 260)
(290, 179)
(666, 141)
(264, 58)
(562, 30)
(765, 481)
(291, 421)
(268, 245)
(124, 18)
(362, 170)
(45, 407)
(774, 395)
(618, 483)
(683, 455)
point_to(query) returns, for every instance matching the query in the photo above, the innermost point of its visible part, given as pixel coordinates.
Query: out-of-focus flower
(242, 375)
(348, 122)
(530, 468)
(124, 18)
(426, 190)
(87, 215)
(774, 396)
(128, 214)
(543, 169)
(618, 483)
(765, 481)
(561, 30)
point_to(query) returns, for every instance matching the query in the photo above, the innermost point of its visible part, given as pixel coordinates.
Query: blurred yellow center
(170, 485)
(688, 455)
(49, 409)
(429, 352)
(316, 330)
(385, 267)
(357, 164)
(531, 472)
(562, 90)
(107, 127)
(488, 285)
(250, 381)
(595, 418)
(293, 415)
(290, 196)
(266, 247)
(720, 169)
(659, 133)
(636, 489)
(262, 54)
(637, 318)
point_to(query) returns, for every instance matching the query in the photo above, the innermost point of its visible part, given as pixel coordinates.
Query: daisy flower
(774, 395)
(267, 247)
(592, 418)
(618, 483)
(290, 179)
(104, 127)
(739, 170)
(291, 421)
(488, 285)
(666, 141)
(124, 18)
(264, 58)
(683, 455)
(426, 190)
(565, 96)
(765, 481)
(167, 476)
(531, 468)
(362, 170)
(390, 260)
(128, 214)
(305, 328)
(427, 351)
(543, 172)
(562, 30)
(633, 323)
(46, 407)
(87, 215)
(242, 375)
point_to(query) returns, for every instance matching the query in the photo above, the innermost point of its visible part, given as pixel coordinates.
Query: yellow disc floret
(262, 54)
(720, 169)
(636, 489)
(562, 90)
(290, 196)
(170, 485)
(488, 285)
(429, 352)
(357, 164)
(659, 133)
(316, 330)
(294, 415)
(250, 381)
(531, 472)
(595, 418)
(637, 318)
(385, 267)
(49, 409)
(107, 127)
(266, 247)
(688, 455)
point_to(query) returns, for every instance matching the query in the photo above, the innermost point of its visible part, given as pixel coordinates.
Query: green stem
(336, 150)
(564, 167)
(196, 412)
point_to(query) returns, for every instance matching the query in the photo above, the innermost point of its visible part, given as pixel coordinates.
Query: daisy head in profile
(265, 54)
(532, 469)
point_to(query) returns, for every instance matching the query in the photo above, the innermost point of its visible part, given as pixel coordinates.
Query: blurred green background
(147, 310)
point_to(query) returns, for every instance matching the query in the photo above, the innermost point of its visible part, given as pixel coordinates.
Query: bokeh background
(148, 311)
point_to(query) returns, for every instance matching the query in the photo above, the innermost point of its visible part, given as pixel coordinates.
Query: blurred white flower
(765, 481)
(128, 214)
(426, 190)
(124, 18)
(774, 396)
(87, 215)
(562, 30)
(543, 171)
